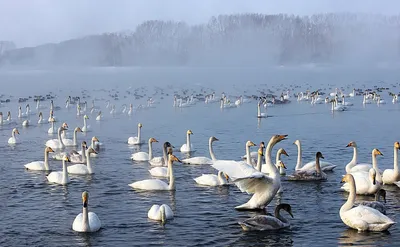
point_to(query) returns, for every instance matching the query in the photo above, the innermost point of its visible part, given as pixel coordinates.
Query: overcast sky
(33, 22)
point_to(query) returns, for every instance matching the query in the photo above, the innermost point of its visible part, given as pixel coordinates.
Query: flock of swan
(255, 174)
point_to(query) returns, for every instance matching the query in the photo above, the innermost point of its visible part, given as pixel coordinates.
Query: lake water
(37, 213)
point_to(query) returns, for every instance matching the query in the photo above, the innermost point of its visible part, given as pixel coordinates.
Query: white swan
(362, 218)
(26, 123)
(57, 143)
(259, 113)
(13, 139)
(390, 176)
(248, 156)
(268, 222)
(187, 147)
(40, 165)
(310, 175)
(72, 142)
(310, 166)
(41, 120)
(82, 169)
(203, 160)
(365, 167)
(366, 183)
(85, 127)
(60, 177)
(250, 180)
(143, 156)
(52, 117)
(52, 129)
(212, 179)
(160, 213)
(99, 116)
(86, 221)
(156, 184)
(265, 169)
(135, 140)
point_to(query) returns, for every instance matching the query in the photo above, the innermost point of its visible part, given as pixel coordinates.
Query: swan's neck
(13, 134)
(221, 178)
(278, 157)
(84, 123)
(375, 166)
(162, 214)
(85, 218)
(165, 156)
(258, 110)
(248, 157)
(65, 173)
(259, 161)
(89, 165)
(138, 134)
(210, 147)
(83, 154)
(60, 139)
(1, 119)
(188, 142)
(52, 126)
(40, 118)
(37, 104)
(352, 197)
(279, 216)
(171, 176)
(355, 155)
(317, 166)
(150, 150)
(299, 156)
(51, 106)
(395, 161)
(74, 139)
(19, 112)
(46, 161)
(268, 160)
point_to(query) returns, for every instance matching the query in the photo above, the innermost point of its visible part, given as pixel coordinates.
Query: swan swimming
(212, 179)
(135, 140)
(160, 213)
(13, 138)
(143, 156)
(86, 221)
(187, 147)
(203, 160)
(41, 165)
(60, 177)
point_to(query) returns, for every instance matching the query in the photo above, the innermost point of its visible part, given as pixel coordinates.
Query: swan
(203, 160)
(83, 169)
(86, 221)
(162, 171)
(99, 116)
(266, 170)
(259, 113)
(212, 179)
(377, 204)
(136, 139)
(160, 213)
(25, 123)
(268, 222)
(130, 110)
(21, 114)
(95, 144)
(57, 143)
(40, 165)
(72, 142)
(52, 129)
(366, 167)
(143, 156)
(248, 156)
(362, 218)
(325, 166)
(85, 127)
(1, 118)
(41, 120)
(187, 147)
(366, 183)
(390, 176)
(75, 157)
(60, 177)
(344, 103)
(248, 179)
(310, 175)
(13, 139)
(52, 117)
(156, 184)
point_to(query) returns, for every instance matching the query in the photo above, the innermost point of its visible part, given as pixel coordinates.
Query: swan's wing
(262, 222)
(369, 215)
(253, 184)
(77, 224)
(94, 222)
(153, 212)
(236, 169)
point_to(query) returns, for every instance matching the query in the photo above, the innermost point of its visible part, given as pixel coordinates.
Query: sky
(35, 22)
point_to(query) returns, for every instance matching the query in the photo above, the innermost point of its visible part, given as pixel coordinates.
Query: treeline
(229, 40)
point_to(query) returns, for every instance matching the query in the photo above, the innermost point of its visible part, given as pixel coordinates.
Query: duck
(40, 165)
(135, 140)
(143, 156)
(362, 218)
(377, 204)
(310, 175)
(203, 160)
(13, 139)
(156, 184)
(212, 179)
(187, 147)
(248, 179)
(310, 166)
(268, 222)
(160, 213)
(86, 221)
(389, 176)
(82, 169)
(60, 177)
(72, 142)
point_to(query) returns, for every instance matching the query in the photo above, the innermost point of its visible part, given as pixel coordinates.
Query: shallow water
(38, 213)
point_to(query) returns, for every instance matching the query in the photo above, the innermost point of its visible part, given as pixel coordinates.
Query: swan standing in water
(390, 176)
(377, 204)
(248, 179)
(72, 142)
(143, 156)
(57, 143)
(82, 169)
(41, 165)
(203, 160)
(133, 140)
(85, 127)
(310, 166)
(60, 177)
(267, 222)
(212, 179)
(156, 184)
(310, 175)
(362, 218)
(160, 213)
(86, 221)
(13, 139)
(187, 147)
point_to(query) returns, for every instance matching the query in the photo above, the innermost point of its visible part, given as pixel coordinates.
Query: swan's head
(287, 208)
(64, 125)
(19, 108)
(15, 130)
(140, 125)
(352, 144)
(84, 144)
(283, 151)
(397, 145)
(189, 132)
(66, 158)
(347, 178)
(152, 140)
(262, 145)
(167, 144)
(95, 139)
(174, 158)
(85, 198)
(51, 112)
(92, 151)
(49, 150)
(86, 117)
(277, 138)
(40, 114)
(376, 152)
(250, 144)
(372, 175)
(78, 129)
(319, 155)
(8, 114)
(213, 138)
(99, 113)
(297, 142)
(281, 164)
